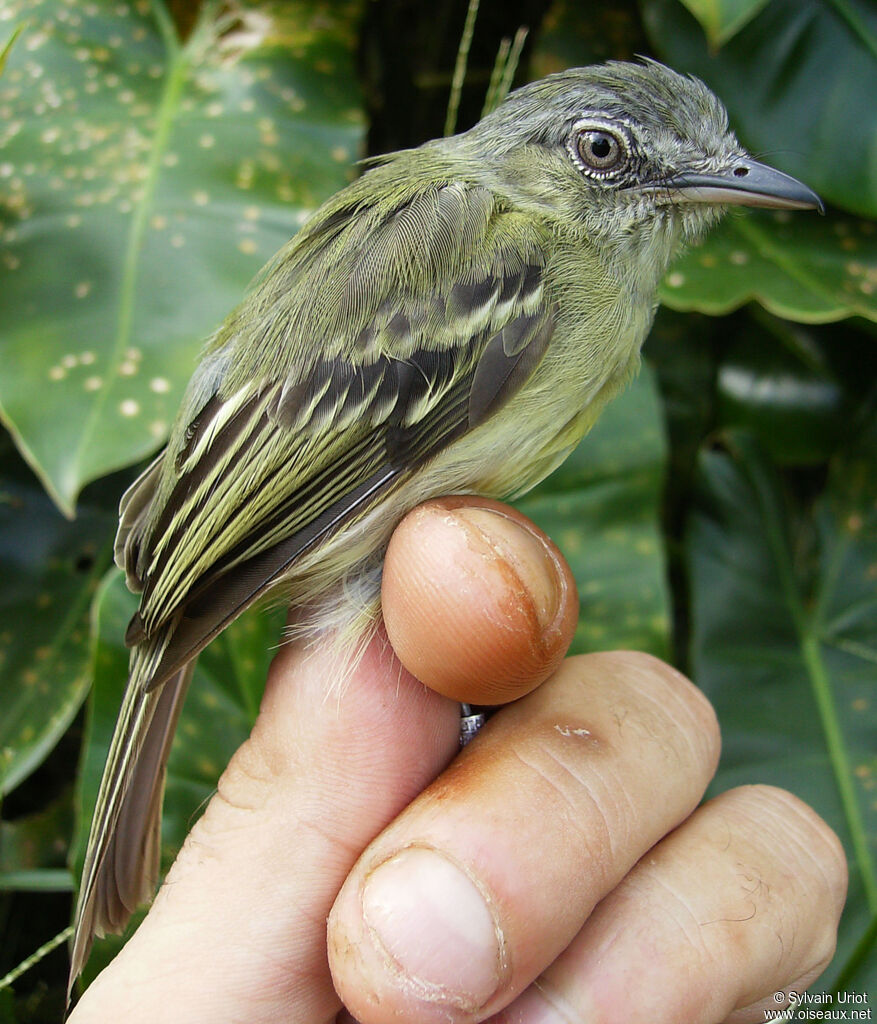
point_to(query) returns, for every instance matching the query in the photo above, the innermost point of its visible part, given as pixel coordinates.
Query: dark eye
(600, 149)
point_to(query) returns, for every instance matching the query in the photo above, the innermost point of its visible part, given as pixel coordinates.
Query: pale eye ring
(600, 150)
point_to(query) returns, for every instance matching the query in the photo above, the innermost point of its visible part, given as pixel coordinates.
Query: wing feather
(260, 468)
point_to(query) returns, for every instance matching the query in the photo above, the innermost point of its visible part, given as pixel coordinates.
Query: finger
(484, 880)
(478, 603)
(237, 932)
(739, 903)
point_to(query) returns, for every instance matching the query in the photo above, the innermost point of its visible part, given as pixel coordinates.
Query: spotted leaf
(142, 183)
(805, 268)
(49, 569)
(784, 644)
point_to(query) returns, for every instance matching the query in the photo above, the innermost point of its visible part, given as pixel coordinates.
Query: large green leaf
(142, 184)
(602, 508)
(784, 644)
(49, 568)
(722, 19)
(784, 393)
(32, 848)
(799, 266)
(799, 81)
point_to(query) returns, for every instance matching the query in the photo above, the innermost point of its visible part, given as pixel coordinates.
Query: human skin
(353, 865)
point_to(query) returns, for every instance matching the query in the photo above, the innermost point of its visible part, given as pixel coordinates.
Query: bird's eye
(600, 151)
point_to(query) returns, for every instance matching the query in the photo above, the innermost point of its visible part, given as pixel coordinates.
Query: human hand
(557, 869)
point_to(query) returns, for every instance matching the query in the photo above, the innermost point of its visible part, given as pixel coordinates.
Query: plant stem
(460, 68)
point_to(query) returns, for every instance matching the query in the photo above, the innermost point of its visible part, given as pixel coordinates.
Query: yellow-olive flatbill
(452, 322)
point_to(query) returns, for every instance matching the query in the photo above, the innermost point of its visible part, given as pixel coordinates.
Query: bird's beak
(747, 183)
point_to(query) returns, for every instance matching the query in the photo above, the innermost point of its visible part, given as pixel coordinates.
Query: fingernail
(435, 925)
(530, 556)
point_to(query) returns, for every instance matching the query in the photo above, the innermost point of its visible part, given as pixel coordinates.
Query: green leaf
(602, 509)
(33, 848)
(49, 569)
(798, 266)
(799, 82)
(784, 643)
(723, 19)
(796, 407)
(142, 184)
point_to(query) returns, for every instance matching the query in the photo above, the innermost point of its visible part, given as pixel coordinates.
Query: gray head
(623, 148)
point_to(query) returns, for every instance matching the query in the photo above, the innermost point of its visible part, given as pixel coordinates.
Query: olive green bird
(452, 322)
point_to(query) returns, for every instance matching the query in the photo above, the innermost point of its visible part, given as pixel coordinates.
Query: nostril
(741, 172)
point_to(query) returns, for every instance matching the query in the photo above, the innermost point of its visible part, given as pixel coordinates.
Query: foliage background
(723, 514)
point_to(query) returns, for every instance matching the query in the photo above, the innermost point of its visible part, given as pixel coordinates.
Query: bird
(453, 321)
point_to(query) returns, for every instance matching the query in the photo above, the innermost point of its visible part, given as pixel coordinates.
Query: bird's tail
(122, 857)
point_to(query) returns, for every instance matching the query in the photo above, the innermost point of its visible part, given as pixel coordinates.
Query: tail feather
(122, 857)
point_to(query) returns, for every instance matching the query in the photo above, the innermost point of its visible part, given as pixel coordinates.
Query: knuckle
(255, 772)
(666, 700)
(817, 850)
(804, 865)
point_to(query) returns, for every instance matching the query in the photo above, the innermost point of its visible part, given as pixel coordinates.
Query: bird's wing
(378, 338)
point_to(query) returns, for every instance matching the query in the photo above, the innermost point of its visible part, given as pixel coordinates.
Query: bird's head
(623, 150)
